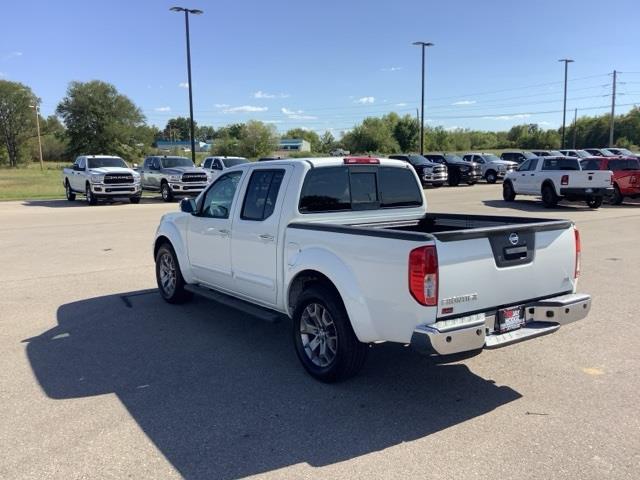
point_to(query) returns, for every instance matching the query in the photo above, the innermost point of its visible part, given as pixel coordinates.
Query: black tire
(594, 202)
(454, 179)
(350, 354)
(549, 197)
(71, 196)
(508, 193)
(436, 185)
(471, 183)
(491, 176)
(90, 197)
(135, 199)
(176, 294)
(165, 191)
(617, 197)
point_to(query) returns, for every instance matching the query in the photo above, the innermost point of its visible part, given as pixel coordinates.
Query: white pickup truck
(558, 178)
(347, 250)
(101, 176)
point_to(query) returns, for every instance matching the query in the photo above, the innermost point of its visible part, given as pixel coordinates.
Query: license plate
(510, 319)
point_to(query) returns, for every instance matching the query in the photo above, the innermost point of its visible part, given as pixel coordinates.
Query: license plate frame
(509, 319)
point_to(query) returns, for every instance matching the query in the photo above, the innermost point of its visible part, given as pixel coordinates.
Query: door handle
(266, 237)
(224, 232)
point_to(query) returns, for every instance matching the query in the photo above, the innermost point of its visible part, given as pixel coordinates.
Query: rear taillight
(423, 275)
(564, 180)
(578, 249)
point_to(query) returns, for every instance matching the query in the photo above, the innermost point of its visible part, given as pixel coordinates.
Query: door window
(262, 193)
(478, 159)
(525, 166)
(218, 199)
(207, 163)
(217, 164)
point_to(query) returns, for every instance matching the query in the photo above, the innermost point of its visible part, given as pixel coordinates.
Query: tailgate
(484, 269)
(590, 179)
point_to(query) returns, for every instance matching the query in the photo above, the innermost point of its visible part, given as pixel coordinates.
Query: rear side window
(326, 190)
(340, 188)
(560, 164)
(398, 188)
(262, 193)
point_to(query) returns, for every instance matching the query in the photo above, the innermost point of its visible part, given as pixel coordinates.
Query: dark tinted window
(364, 188)
(630, 164)
(262, 193)
(339, 188)
(207, 163)
(398, 188)
(326, 190)
(561, 164)
(591, 164)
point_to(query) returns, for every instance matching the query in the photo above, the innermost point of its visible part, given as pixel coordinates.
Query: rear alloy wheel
(617, 196)
(508, 193)
(91, 198)
(491, 177)
(70, 195)
(324, 340)
(549, 197)
(594, 202)
(165, 190)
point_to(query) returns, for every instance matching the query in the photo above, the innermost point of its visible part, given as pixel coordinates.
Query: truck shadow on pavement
(222, 394)
(82, 203)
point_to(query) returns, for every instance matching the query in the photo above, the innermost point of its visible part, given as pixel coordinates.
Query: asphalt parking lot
(99, 378)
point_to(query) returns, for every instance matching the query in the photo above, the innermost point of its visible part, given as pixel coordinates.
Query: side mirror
(188, 205)
(75, 167)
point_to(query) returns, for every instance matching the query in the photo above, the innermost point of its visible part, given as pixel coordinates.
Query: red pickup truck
(626, 175)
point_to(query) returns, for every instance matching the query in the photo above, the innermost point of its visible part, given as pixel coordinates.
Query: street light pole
(188, 11)
(566, 61)
(422, 45)
(35, 107)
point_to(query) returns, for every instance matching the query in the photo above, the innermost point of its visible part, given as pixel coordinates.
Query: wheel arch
(550, 183)
(170, 236)
(320, 266)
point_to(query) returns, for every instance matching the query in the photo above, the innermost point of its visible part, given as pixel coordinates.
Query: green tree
(178, 129)
(373, 135)
(17, 119)
(327, 142)
(205, 133)
(257, 139)
(308, 135)
(406, 131)
(99, 119)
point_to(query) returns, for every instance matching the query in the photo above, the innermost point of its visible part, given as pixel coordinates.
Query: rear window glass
(561, 164)
(262, 193)
(630, 164)
(341, 188)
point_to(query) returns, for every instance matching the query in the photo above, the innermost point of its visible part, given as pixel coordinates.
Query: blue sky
(326, 65)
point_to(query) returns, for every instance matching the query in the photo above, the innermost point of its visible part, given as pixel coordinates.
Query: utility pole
(613, 109)
(566, 61)
(575, 127)
(35, 107)
(188, 11)
(423, 45)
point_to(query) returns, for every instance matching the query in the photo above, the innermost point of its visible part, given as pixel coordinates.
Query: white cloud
(261, 94)
(366, 100)
(273, 121)
(391, 69)
(222, 105)
(11, 55)
(509, 117)
(544, 123)
(464, 102)
(297, 114)
(401, 105)
(245, 109)
(162, 109)
(183, 84)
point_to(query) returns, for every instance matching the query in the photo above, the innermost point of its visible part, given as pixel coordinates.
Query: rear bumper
(476, 332)
(586, 192)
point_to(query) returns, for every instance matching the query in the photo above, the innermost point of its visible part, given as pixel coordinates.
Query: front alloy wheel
(169, 277)
(167, 194)
(91, 198)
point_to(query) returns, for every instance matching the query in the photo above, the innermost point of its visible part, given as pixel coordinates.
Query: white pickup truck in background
(101, 176)
(346, 249)
(558, 178)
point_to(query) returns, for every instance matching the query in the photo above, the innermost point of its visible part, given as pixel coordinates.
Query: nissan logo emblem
(514, 239)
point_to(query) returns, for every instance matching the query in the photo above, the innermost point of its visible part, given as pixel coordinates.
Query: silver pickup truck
(172, 176)
(101, 176)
